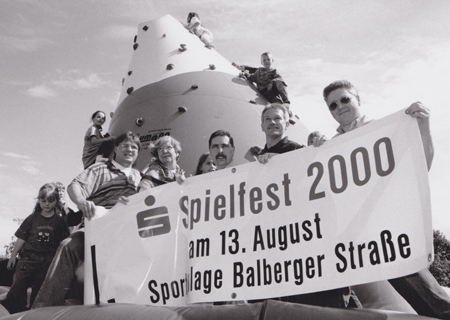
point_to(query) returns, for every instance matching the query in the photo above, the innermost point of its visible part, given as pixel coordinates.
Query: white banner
(355, 210)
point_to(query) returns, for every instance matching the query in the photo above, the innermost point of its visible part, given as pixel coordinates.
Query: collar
(121, 168)
(359, 122)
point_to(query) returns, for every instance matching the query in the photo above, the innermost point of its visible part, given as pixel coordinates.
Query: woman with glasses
(163, 167)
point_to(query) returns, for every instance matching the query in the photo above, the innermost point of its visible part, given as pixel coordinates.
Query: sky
(61, 60)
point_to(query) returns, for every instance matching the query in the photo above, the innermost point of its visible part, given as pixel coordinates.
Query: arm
(264, 158)
(76, 195)
(192, 26)
(422, 114)
(96, 139)
(17, 246)
(318, 139)
(145, 184)
(180, 177)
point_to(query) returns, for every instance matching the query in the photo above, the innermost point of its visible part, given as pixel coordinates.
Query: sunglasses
(343, 100)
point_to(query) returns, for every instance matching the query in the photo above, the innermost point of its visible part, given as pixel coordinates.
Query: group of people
(49, 256)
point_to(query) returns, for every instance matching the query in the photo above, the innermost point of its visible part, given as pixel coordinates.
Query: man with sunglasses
(420, 290)
(344, 104)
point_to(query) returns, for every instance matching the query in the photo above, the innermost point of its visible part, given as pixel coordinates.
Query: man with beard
(221, 148)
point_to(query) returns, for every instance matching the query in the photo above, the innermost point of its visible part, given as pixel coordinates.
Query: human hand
(123, 200)
(420, 112)
(252, 153)
(264, 158)
(88, 209)
(11, 263)
(180, 177)
(269, 86)
(318, 139)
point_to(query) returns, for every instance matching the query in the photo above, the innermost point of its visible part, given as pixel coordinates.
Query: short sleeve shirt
(284, 145)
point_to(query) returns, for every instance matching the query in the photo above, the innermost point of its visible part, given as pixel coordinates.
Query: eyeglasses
(343, 100)
(127, 145)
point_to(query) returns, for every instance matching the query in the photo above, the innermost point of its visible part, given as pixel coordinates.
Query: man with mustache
(221, 148)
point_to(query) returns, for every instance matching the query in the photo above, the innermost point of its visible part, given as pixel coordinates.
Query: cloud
(73, 79)
(25, 43)
(30, 167)
(42, 91)
(23, 163)
(15, 155)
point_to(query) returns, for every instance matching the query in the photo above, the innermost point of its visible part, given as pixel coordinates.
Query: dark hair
(95, 114)
(129, 136)
(48, 190)
(219, 133)
(191, 15)
(173, 142)
(340, 84)
(201, 160)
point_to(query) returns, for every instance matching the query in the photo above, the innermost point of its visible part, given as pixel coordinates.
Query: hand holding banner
(354, 210)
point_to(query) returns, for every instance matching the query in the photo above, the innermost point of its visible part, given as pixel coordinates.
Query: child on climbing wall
(95, 144)
(269, 82)
(195, 26)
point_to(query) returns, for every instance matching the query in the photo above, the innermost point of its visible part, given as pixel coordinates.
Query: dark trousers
(30, 272)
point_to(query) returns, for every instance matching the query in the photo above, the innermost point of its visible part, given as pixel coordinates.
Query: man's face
(343, 105)
(221, 151)
(273, 123)
(126, 153)
(266, 61)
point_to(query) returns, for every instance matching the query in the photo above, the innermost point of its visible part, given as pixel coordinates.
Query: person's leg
(68, 257)
(16, 298)
(41, 268)
(424, 294)
(281, 91)
(207, 39)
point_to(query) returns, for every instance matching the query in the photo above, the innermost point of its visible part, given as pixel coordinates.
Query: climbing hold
(164, 35)
(170, 66)
(135, 38)
(139, 122)
(130, 72)
(194, 87)
(212, 67)
(182, 109)
(130, 90)
(135, 46)
(182, 47)
(145, 28)
(252, 101)
(123, 80)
